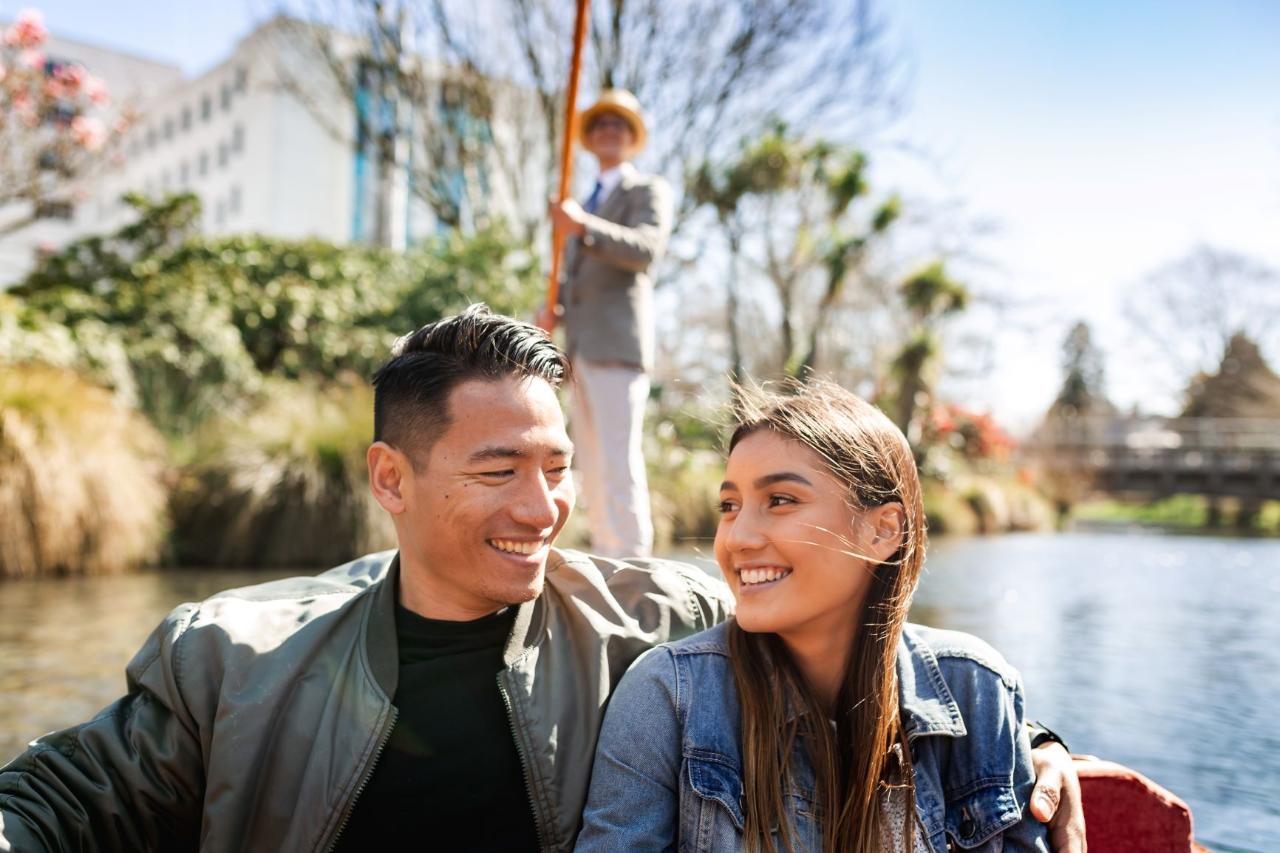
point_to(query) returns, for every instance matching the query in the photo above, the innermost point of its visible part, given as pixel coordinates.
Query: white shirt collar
(610, 178)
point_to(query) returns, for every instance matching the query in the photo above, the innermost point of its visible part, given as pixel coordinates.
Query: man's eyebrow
(497, 452)
(488, 454)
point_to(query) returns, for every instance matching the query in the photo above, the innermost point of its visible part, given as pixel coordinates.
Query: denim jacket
(668, 767)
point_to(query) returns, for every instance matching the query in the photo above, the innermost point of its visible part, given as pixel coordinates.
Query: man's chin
(520, 593)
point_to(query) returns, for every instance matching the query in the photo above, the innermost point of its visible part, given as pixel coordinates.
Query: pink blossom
(33, 59)
(96, 90)
(27, 31)
(71, 76)
(88, 132)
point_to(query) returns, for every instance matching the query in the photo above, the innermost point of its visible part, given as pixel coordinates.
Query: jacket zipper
(364, 779)
(524, 766)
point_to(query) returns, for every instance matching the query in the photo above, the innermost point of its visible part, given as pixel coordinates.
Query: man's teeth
(771, 573)
(513, 547)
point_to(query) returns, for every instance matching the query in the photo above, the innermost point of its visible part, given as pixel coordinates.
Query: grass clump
(81, 478)
(285, 487)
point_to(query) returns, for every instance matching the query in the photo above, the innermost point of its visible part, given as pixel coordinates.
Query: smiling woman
(817, 719)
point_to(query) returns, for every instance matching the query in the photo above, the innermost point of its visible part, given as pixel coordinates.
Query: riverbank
(1182, 514)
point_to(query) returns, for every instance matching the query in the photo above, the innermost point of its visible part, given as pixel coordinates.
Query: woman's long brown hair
(854, 765)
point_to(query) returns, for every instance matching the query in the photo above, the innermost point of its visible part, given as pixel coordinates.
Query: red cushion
(1125, 812)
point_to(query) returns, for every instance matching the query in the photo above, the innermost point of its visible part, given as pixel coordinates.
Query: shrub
(202, 322)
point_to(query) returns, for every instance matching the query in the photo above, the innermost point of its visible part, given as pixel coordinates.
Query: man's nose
(535, 505)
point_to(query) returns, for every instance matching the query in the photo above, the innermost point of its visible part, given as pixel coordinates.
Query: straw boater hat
(619, 102)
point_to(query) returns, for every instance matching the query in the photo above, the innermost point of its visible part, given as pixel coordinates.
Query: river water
(1159, 652)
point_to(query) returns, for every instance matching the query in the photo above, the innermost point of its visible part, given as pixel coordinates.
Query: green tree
(811, 224)
(930, 296)
(762, 168)
(1083, 389)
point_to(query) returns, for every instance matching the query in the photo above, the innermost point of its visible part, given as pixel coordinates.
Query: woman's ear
(388, 470)
(888, 524)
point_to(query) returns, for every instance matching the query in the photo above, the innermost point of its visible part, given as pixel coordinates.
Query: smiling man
(448, 694)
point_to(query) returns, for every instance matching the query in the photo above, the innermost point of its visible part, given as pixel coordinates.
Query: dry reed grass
(285, 487)
(81, 477)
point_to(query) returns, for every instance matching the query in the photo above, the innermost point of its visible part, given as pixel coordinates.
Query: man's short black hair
(411, 391)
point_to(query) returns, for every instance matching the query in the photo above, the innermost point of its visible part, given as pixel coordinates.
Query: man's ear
(888, 524)
(389, 470)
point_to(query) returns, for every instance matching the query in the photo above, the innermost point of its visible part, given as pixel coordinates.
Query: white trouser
(606, 420)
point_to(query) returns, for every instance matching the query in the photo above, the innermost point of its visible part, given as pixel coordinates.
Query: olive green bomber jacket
(253, 719)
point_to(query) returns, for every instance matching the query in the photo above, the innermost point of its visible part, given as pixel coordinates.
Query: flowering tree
(973, 434)
(52, 130)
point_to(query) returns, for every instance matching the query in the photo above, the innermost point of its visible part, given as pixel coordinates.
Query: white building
(264, 138)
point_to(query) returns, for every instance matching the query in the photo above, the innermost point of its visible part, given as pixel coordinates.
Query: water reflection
(1162, 653)
(64, 642)
(1158, 652)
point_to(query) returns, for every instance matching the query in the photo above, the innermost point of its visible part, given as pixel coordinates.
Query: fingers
(1056, 799)
(1044, 800)
(1067, 830)
(1051, 763)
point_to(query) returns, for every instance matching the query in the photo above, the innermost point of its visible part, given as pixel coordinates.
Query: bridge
(1154, 457)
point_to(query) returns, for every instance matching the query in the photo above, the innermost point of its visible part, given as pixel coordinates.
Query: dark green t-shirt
(449, 777)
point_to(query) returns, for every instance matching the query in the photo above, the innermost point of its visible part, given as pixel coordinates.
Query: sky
(1104, 140)
(1101, 139)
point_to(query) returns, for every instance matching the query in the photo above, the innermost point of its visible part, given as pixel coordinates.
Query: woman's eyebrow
(782, 477)
(769, 480)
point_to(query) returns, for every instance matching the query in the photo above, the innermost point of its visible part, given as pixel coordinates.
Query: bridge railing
(1154, 434)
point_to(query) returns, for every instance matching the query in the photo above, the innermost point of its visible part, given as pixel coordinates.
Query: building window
(186, 118)
(237, 139)
(184, 174)
(204, 164)
(242, 80)
(151, 138)
(164, 181)
(168, 129)
(226, 97)
(233, 202)
(223, 155)
(206, 108)
(220, 216)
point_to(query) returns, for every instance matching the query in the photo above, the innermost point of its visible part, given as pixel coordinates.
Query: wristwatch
(1042, 734)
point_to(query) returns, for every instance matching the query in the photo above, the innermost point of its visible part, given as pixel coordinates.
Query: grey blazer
(606, 290)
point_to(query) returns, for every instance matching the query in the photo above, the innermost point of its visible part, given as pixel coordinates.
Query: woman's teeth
(765, 575)
(511, 546)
